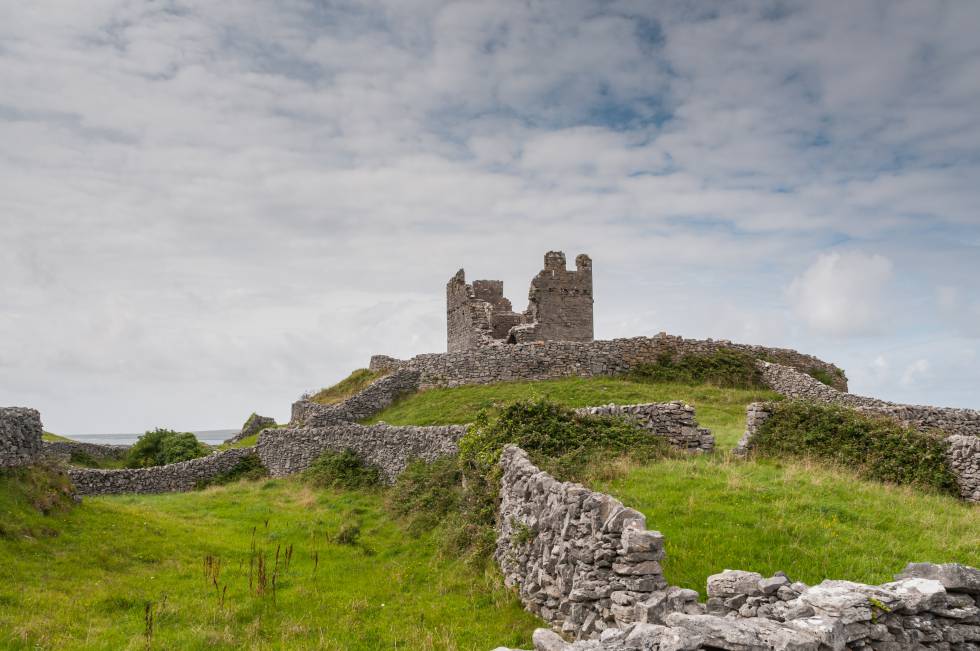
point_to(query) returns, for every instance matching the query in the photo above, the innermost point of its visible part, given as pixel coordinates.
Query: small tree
(162, 446)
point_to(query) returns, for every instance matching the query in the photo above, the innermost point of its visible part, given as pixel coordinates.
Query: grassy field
(811, 521)
(84, 579)
(721, 410)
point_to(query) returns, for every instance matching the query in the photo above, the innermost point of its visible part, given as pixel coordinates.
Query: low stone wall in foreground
(589, 567)
(287, 451)
(182, 476)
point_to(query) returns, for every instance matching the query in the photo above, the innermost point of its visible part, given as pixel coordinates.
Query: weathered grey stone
(20, 436)
(253, 425)
(63, 450)
(953, 576)
(377, 396)
(182, 476)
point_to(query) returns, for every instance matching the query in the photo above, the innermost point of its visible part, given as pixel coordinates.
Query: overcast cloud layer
(208, 208)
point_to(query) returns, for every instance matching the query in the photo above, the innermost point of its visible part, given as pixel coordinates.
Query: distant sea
(211, 436)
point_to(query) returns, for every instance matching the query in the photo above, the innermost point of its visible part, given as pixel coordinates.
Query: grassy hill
(356, 579)
(87, 579)
(720, 409)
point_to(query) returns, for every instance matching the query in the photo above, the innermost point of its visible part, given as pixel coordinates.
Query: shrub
(724, 368)
(877, 447)
(248, 468)
(464, 492)
(163, 446)
(342, 470)
(427, 493)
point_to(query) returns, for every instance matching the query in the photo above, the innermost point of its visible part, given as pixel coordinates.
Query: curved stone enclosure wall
(375, 397)
(182, 476)
(793, 384)
(587, 565)
(961, 426)
(63, 450)
(20, 436)
(286, 451)
(556, 359)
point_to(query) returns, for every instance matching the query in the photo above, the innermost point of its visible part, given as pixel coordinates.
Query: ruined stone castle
(559, 308)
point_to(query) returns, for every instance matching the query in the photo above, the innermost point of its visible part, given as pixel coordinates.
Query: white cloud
(915, 372)
(232, 202)
(842, 293)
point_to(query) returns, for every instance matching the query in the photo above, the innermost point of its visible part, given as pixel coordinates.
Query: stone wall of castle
(20, 436)
(287, 451)
(182, 476)
(556, 359)
(375, 397)
(588, 566)
(559, 308)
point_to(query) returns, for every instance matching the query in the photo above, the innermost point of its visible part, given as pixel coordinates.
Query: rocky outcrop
(253, 425)
(20, 436)
(391, 448)
(377, 396)
(182, 476)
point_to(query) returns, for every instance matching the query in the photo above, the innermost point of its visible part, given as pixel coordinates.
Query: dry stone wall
(793, 384)
(287, 451)
(375, 397)
(20, 436)
(587, 565)
(556, 359)
(182, 476)
(674, 421)
(961, 426)
(63, 450)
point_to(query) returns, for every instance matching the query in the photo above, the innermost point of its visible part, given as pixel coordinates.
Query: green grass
(48, 436)
(353, 383)
(721, 410)
(811, 521)
(246, 442)
(84, 578)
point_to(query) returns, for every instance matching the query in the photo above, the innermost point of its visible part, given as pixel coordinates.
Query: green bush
(342, 470)
(723, 368)
(877, 447)
(163, 446)
(248, 468)
(463, 493)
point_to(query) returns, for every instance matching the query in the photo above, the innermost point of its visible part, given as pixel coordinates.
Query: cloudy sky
(207, 208)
